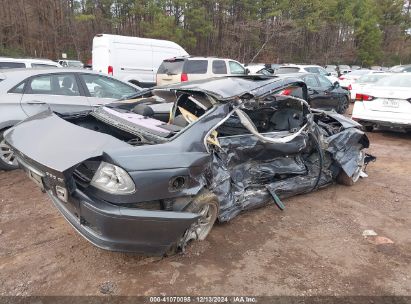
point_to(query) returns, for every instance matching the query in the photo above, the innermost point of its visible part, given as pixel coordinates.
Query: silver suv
(181, 69)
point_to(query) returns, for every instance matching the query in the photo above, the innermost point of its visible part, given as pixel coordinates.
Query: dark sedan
(322, 94)
(130, 179)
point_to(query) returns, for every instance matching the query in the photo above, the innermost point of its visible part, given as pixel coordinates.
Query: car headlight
(113, 179)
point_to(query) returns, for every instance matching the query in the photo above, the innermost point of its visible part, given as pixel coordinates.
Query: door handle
(35, 102)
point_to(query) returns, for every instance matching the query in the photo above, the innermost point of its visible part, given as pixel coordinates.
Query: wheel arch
(8, 124)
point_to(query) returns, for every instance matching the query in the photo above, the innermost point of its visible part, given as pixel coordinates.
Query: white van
(132, 59)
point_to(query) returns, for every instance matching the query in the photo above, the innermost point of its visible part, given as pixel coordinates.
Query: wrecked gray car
(131, 177)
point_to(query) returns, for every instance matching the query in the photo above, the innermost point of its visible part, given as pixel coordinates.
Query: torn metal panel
(344, 147)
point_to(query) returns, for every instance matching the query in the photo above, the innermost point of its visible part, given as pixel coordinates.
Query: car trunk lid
(396, 100)
(53, 143)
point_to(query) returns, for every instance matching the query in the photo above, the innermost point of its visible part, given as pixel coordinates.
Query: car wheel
(206, 205)
(7, 159)
(369, 128)
(346, 180)
(343, 106)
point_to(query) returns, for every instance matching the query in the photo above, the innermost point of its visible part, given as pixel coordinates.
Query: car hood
(57, 144)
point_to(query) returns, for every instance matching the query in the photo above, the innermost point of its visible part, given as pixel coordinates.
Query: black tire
(343, 106)
(135, 82)
(4, 165)
(369, 128)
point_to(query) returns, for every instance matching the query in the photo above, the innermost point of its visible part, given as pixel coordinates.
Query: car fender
(8, 124)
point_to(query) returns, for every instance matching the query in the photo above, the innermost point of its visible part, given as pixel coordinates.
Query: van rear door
(101, 54)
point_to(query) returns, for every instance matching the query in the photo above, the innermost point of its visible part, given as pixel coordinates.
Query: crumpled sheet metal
(247, 173)
(344, 147)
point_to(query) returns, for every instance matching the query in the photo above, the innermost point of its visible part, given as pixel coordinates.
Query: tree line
(363, 32)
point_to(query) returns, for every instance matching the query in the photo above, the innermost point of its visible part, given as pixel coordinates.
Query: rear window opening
(287, 70)
(171, 67)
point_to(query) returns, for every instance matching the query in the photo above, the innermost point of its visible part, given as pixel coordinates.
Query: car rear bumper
(380, 118)
(109, 226)
(117, 228)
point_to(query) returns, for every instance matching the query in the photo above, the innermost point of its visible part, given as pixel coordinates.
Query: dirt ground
(314, 247)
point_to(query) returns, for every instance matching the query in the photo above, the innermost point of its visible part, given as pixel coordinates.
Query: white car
(366, 80)
(26, 63)
(387, 103)
(27, 92)
(316, 69)
(332, 69)
(344, 69)
(348, 79)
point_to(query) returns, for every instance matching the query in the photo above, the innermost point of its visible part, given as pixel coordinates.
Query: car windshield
(371, 78)
(401, 81)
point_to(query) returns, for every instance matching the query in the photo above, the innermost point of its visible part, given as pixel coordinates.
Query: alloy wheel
(7, 155)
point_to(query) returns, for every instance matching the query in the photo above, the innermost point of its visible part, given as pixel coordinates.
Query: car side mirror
(247, 71)
(336, 84)
(329, 74)
(270, 70)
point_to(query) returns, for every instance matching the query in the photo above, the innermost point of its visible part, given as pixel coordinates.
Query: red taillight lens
(184, 77)
(341, 78)
(286, 92)
(349, 87)
(363, 97)
(110, 70)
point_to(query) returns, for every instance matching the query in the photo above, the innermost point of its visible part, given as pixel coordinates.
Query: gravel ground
(314, 247)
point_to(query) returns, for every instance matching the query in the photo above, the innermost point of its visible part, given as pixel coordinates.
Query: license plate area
(390, 103)
(36, 178)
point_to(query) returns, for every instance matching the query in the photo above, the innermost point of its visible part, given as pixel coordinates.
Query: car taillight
(286, 92)
(349, 87)
(341, 78)
(363, 97)
(110, 70)
(184, 77)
